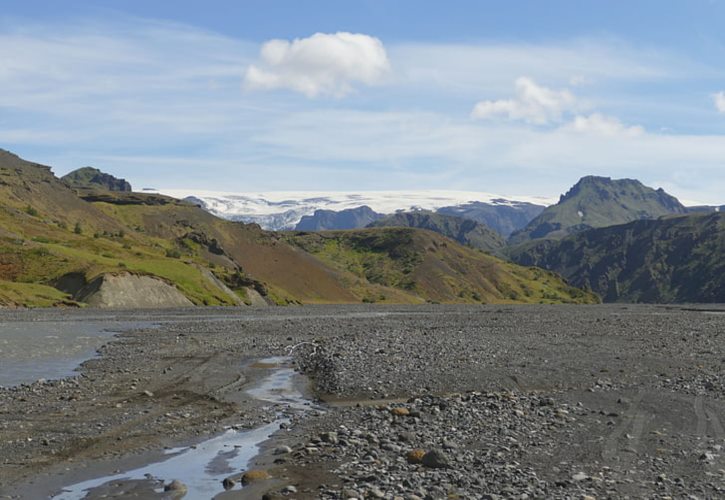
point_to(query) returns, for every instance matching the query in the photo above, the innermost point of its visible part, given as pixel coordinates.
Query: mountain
(599, 202)
(671, 259)
(283, 210)
(92, 178)
(503, 216)
(64, 246)
(410, 265)
(350, 218)
(466, 232)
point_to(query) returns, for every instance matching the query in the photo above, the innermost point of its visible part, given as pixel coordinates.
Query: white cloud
(579, 80)
(533, 103)
(719, 99)
(597, 123)
(161, 103)
(320, 64)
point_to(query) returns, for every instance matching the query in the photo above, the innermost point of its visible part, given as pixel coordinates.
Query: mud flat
(420, 402)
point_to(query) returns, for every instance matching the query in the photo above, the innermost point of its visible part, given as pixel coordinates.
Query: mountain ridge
(464, 231)
(678, 258)
(349, 218)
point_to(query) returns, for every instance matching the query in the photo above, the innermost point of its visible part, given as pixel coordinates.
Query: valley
(362, 250)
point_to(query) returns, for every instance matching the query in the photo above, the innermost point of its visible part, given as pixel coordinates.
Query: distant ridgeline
(591, 236)
(87, 239)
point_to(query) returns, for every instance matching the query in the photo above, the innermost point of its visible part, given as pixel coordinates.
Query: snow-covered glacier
(281, 210)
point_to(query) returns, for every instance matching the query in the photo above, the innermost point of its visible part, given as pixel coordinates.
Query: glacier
(282, 210)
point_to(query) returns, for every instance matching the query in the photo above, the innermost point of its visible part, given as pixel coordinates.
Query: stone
(255, 475)
(435, 459)
(177, 487)
(329, 437)
(400, 412)
(415, 456)
(579, 476)
(228, 483)
(375, 493)
(282, 450)
(350, 493)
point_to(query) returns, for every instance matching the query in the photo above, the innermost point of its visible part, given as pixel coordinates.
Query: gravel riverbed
(607, 401)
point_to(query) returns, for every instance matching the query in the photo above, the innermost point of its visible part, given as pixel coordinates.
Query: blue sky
(505, 97)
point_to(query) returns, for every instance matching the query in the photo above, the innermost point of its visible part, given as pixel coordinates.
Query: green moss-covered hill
(411, 265)
(672, 259)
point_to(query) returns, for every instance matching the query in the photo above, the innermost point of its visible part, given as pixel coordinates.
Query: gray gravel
(555, 402)
(511, 402)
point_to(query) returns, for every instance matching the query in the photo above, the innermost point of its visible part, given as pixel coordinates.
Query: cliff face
(131, 292)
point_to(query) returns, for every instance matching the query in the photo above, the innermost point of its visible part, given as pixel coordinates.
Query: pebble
(436, 459)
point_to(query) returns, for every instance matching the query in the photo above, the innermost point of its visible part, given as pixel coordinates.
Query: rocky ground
(422, 402)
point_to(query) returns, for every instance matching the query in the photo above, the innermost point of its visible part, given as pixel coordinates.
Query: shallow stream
(204, 466)
(32, 350)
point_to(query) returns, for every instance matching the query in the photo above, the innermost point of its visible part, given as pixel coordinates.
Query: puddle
(31, 350)
(280, 387)
(203, 467)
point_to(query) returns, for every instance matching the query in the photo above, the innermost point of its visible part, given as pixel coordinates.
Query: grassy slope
(45, 259)
(46, 231)
(12, 294)
(422, 265)
(290, 275)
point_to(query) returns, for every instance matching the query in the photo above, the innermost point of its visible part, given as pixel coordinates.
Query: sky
(518, 97)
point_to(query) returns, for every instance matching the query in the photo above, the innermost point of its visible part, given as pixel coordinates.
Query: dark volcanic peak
(351, 218)
(608, 188)
(465, 231)
(92, 178)
(599, 202)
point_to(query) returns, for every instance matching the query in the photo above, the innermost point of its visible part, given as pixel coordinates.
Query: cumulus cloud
(322, 64)
(533, 103)
(597, 123)
(719, 99)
